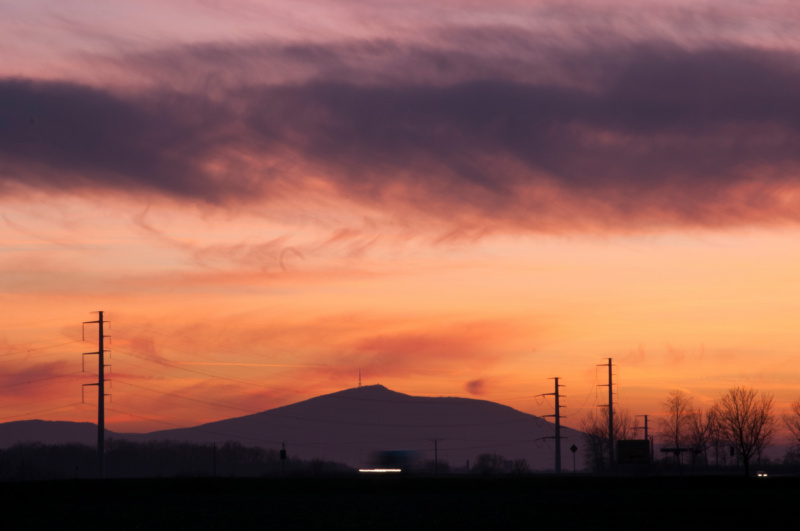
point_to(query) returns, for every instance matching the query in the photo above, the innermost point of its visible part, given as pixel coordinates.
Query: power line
(172, 365)
(198, 400)
(37, 380)
(40, 411)
(589, 394)
(228, 435)
(273, 413)
(25, 351)
(37, 402)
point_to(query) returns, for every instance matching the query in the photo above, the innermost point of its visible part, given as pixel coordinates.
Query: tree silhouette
(520, 466)
(703, 432)
(792, 420)
(746, 421)
(488, 464)
(129, 459)
(595, 435)
(676, 425)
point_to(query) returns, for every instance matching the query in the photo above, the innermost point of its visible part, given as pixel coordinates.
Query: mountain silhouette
(49, 432)
(350, 426)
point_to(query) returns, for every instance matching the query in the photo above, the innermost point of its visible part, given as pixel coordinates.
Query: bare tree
(707, 436)
(703, 432)
(520, 466)
(488, 464)
(595, 435)
(676, 423)
(792, 420)
(746, 421)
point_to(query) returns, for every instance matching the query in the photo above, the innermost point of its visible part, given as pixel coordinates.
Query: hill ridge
(351, 424)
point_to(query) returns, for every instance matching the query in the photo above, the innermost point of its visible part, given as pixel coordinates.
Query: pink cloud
(664, 137)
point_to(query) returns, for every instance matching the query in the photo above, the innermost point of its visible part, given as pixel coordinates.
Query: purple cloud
(476, 387)
(658, 136)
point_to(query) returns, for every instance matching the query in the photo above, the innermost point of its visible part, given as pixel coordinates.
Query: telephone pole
(610, 407)
(558, 418)
(647, 437)
(436, 456)
(101, 393)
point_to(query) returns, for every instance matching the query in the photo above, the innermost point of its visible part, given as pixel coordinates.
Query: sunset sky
(458, 198)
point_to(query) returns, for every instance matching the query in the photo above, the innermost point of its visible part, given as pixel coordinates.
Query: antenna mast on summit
(359, 377)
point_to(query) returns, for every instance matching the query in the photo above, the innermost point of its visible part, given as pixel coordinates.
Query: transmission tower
(558, 418)
(101, 391)
(610, 407)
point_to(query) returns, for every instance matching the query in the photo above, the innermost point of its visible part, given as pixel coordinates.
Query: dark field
(528, 502)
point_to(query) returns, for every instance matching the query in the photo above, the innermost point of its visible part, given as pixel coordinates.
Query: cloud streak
(659, 136)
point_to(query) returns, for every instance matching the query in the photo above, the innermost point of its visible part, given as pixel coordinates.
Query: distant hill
(351, 425)
(49, 432)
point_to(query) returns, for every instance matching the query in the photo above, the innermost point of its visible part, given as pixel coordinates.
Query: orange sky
(194, 340)
(389, 214)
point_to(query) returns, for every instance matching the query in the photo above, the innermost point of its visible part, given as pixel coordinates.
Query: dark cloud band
(666, 136)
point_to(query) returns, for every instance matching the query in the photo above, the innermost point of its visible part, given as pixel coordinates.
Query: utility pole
(436, 456)
(610, 407)
(101, 393)
(646, 438)
(558, 418)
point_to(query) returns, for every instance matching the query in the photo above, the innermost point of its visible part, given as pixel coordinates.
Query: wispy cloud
(37, 379)
(350, 191)
(666, 137)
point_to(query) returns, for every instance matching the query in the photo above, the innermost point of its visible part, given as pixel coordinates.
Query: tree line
(737, 427)
(152, 459)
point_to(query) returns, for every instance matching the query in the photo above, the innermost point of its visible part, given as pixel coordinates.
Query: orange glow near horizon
(462, 199)
(492, 319)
